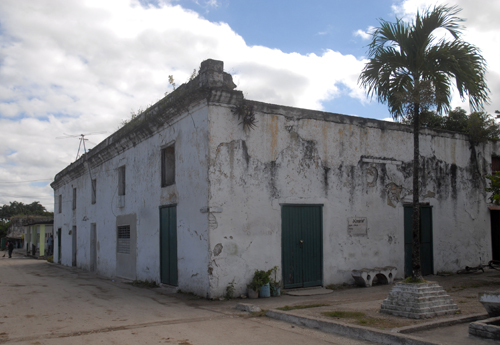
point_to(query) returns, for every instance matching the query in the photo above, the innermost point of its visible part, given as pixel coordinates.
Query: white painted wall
(296, 156)
(144, 195)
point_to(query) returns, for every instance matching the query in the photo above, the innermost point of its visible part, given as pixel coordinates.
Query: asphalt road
(43, 303)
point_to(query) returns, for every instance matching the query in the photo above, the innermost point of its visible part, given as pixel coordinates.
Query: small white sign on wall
(357, 226)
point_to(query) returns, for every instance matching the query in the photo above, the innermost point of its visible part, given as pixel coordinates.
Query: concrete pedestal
(418, 301)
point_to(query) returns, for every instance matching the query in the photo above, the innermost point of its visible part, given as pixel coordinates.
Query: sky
(71, 67)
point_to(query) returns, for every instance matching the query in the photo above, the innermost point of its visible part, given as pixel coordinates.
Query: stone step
(415, 296)
(420, 290)
(432, 299)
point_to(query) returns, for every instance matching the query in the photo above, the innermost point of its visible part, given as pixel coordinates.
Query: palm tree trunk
(415, 262)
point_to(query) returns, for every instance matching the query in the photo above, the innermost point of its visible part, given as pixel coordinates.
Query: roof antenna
(82, 141)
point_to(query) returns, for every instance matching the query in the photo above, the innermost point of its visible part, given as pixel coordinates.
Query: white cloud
(365, 35)
(81, 66)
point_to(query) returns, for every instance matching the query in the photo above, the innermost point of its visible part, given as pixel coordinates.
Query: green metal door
(302, 245)
(168, 245)
(426, 246)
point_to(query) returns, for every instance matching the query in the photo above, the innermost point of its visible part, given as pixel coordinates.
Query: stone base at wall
(418, 301)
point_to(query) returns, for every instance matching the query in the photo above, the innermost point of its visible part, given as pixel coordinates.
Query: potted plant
(253, 288)
(263, 278)
(275, 283)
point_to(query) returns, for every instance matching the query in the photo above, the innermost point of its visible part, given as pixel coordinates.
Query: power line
(27, 181)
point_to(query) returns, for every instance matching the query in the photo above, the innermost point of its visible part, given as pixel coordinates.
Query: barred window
(121, 180)
(123, 246)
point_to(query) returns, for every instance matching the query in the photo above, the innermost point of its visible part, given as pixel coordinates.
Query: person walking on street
(10, 247)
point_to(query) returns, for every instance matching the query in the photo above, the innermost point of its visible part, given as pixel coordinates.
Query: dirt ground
(44, 303)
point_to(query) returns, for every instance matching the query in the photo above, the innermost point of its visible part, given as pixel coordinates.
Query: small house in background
(38, 236)
(205, 187)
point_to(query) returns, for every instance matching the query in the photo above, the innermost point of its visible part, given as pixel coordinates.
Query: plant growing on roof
(412, 70)
(245, 112)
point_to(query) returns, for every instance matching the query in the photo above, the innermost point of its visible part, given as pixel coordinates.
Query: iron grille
(124, 239)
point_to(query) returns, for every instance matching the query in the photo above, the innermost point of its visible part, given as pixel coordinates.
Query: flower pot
(253, 293)
(265, 291)
(276, 291)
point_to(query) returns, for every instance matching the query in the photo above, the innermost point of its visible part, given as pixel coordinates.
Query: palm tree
(412, 71)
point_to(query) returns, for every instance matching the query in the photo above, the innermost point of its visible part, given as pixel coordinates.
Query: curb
(351, 331)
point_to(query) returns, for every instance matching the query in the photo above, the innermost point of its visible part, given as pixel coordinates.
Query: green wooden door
(302, 245)
(168, 245)
(426, 246)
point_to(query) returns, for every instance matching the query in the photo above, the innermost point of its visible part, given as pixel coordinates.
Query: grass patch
(473, 285)
(287, 307)
(148, 284)
(411, 280)
(345, 314)
(50, 258)
(258, 313)
(361, 319)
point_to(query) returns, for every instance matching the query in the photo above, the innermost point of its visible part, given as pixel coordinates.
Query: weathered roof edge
(212, 84)
(301, 114)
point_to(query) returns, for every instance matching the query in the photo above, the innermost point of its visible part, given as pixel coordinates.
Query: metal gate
(302, 245)
(426, 246)
(168, 245)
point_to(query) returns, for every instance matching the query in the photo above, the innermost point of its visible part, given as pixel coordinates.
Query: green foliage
(345, 314)
(409, 65)
(148, 284)
(245, 112)
(50, 258)
(229, 290)
(413, 280)
(478, 126)
(482, 127)
(4, 225)
(494, 187)
(171, 81)
(306, 306)
(259, 278)
(16, 208)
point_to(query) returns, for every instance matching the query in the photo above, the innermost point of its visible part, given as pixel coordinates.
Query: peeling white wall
(144, 196)
(355, 168)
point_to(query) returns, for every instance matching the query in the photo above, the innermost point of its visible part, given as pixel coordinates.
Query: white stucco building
(205, 187)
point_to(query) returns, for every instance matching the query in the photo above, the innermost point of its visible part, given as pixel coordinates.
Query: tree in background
(478, 126)
(412, 70)
(16, 208)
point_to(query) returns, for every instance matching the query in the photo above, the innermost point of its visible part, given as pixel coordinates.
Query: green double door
(426, 251)
(168, 245)
(302, 245)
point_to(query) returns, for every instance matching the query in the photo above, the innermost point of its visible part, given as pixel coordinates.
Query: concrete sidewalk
(388, 329)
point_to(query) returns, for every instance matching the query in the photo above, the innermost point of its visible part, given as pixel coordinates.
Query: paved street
(44, 303)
